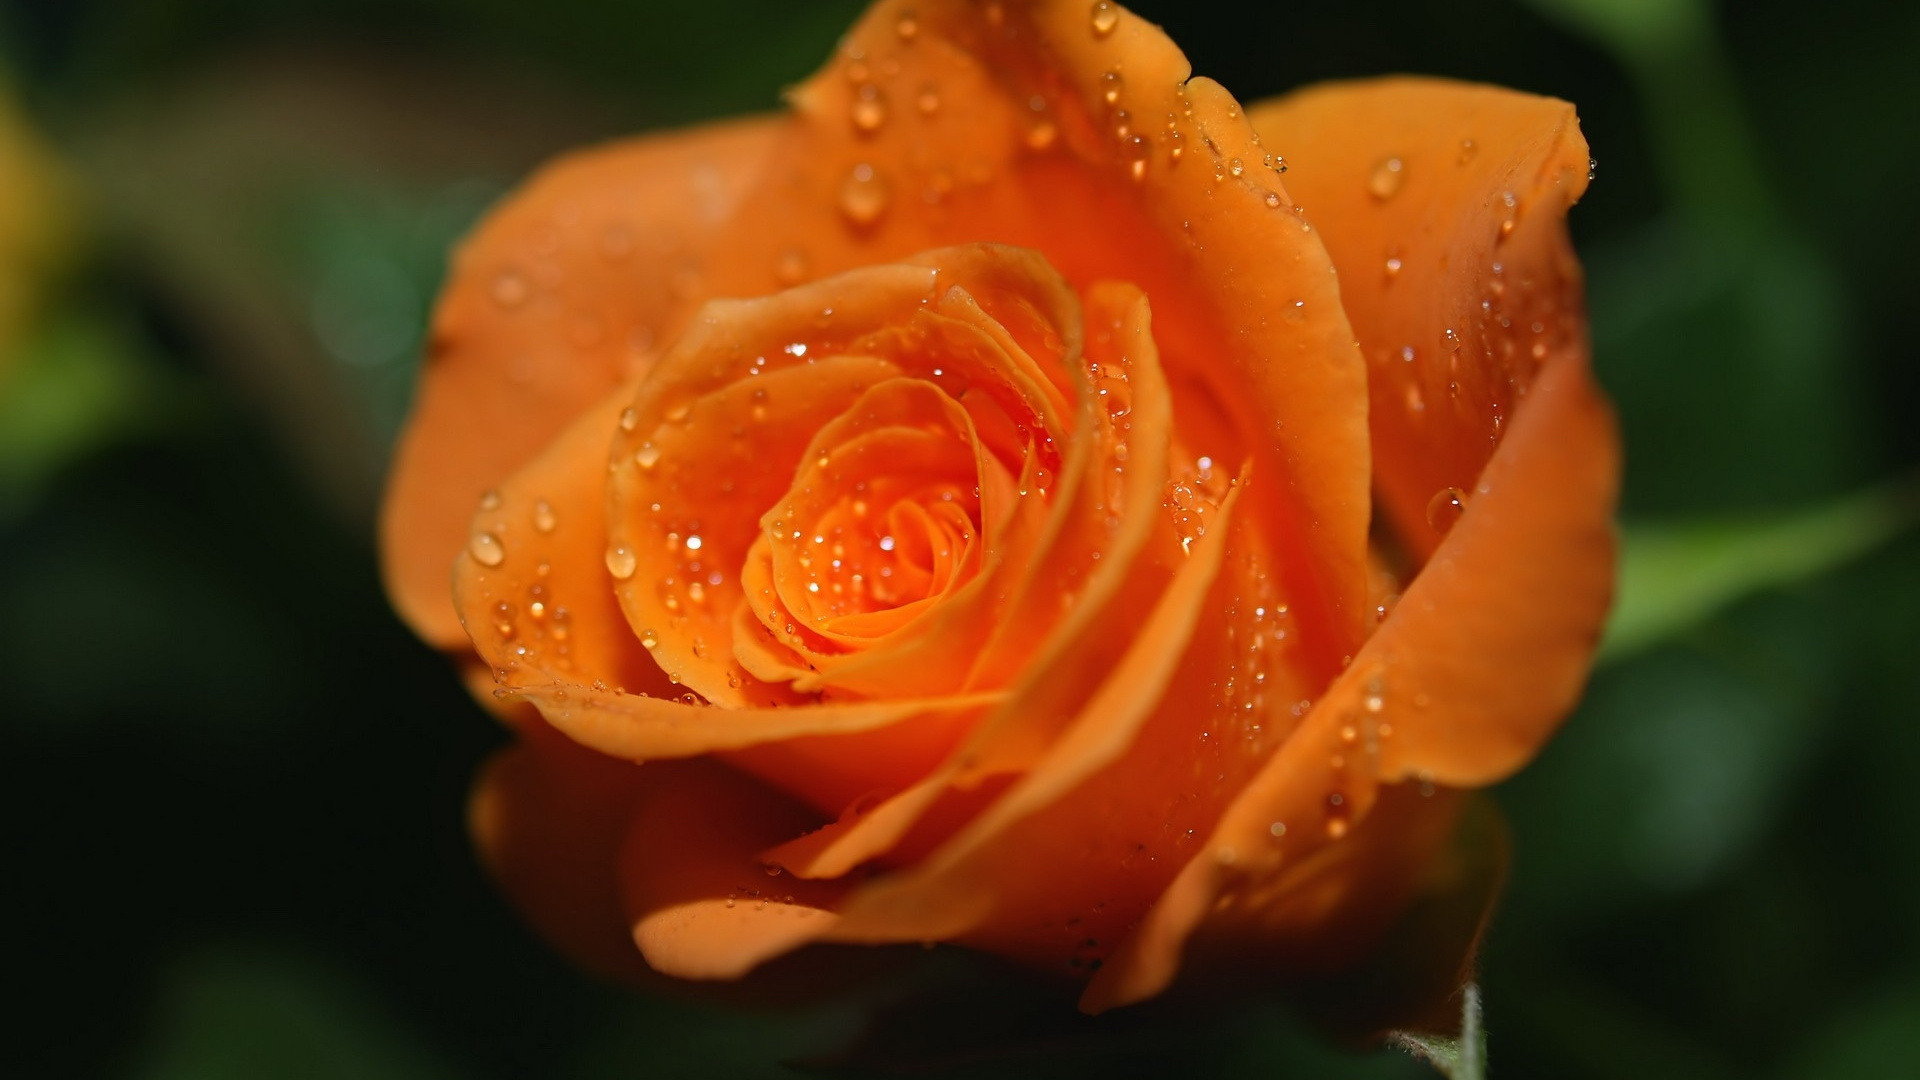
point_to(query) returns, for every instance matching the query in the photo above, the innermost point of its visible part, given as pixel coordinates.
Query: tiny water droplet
(543, 516)
(790, 268)
(1385, 180)
(1273, 200)
(490, 500)
(647, 456)
(1445, 508)
(629, 419)
(1111, 84)
(509, 289)
(908, 27)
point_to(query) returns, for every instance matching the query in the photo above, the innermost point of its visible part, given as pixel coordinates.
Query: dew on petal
(1445, 508)
(1105, 18)
(1385, 180)
(621, 562)
(863, 195)
(486, 549)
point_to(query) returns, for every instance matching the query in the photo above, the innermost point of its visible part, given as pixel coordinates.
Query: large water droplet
(869, 109)
(1385, 180)
(621, 562)
(863, 195)
(1445, 508)
(486, 549)
(1105, 18)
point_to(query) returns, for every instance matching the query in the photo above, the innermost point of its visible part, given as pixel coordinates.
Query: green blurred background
(233, 782)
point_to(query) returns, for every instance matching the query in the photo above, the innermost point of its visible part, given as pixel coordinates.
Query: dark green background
(233, 783)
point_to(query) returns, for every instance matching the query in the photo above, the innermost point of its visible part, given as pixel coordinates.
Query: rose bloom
(1015, 497)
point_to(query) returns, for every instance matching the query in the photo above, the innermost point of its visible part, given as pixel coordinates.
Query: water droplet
(790, 268)
(928, 102)
(1236, 167)
(1445, 508)
(908, 27)
(629, 419)
(1041, 135)
(869, 109)
(509, 289)
(1273, 200)
(1393, 267)
(1105, 18)
(1277, 829)
(486, 549)
(1467, 150)
(648, 639)
(543, 517)
(1592, 167)
(647, 456)
(490, 500)
(621, 562)
(1111, 84)
(863, 195)
(1384, 182)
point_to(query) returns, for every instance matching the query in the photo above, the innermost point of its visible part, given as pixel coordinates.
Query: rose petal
(1102, 571)
(1484, 654)
(1443, 204)
(549, 818)
(1247, 309)
(562, 642)
(556, 299)
(701, 902)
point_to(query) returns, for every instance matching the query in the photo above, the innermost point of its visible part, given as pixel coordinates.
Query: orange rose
(1001, 574)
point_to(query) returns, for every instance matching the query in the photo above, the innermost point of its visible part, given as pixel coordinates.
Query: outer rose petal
(553, 302)
(1483, 655)
(549, 818)
(1443, 205)
(1490, 644)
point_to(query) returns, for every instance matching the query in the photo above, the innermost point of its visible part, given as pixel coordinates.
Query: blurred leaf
(1876, 1039)
(1672, 577)
(296, 208)
(38, 224)
(1629, 25)
(244, 1012)
(78, 384)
